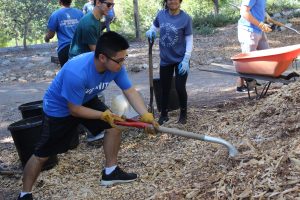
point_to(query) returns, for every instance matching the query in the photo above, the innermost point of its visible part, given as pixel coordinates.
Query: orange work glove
(264, 27)
(109, 117)
(148, 118)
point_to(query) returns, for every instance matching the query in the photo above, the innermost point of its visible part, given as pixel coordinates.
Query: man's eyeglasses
(108, 4)
(119, 61)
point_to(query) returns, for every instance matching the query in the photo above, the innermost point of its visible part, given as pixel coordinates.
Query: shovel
(137, 124)
(270, 20)
(151, 109)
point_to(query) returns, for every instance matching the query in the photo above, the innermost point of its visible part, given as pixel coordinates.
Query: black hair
(164, 4)
(99, 0)
(109, 43)
(66, 2)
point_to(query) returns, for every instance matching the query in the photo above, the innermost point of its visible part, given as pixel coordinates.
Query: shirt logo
(169, 35)
(97, 89)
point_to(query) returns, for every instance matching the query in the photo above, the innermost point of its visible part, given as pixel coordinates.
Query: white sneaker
(92, 138)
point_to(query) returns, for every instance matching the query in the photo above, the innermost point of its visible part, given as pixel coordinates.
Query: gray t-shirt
(173, 29)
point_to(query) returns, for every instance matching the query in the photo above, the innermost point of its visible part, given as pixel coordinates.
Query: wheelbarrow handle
(133, 123)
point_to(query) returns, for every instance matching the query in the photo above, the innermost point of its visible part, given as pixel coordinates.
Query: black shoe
(25, 197)
(182, 117)
(117, 176)
(163, 119)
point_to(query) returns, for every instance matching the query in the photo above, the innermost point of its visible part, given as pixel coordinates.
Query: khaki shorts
(251, 41)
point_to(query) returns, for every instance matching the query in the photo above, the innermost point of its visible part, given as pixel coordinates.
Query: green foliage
(79, 3)
(24, 18)
(274, 6)
(205, 21)
(17, 15)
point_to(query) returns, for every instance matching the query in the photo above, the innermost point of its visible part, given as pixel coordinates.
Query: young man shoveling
(72, 99)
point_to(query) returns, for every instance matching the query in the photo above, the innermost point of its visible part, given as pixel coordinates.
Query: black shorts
(63, 55)
(57, 132)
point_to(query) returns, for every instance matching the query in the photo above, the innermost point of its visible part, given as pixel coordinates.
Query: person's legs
(94, 131)
(263, 42)
(111, 146)
(55, 138)
(249, 42)
(63, 55)
(112, 173)
(166, 75)
(31, 171)
(180, 83)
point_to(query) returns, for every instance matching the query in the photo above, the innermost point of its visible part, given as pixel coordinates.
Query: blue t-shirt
(88, 7)
(257, 9)
(64, 22)
(78, 82)
(173, 29)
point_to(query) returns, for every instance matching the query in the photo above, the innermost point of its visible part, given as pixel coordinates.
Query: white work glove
(184, 66)
(151, 35)
(264, 27)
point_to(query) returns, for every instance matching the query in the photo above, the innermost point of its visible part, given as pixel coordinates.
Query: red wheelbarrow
(137, 124)
(267, 65)
(268, 62)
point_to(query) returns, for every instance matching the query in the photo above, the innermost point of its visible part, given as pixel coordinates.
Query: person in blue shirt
(72, 99)
(175, 44)
(88, 7)
(109, 18)
(63, 22)
(251, 31)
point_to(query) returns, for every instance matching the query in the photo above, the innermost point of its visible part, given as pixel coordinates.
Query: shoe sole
(108, 183)
(97, 137)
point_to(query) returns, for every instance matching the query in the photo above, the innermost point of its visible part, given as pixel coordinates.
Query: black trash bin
(31, 109)
(35, 108)
(25, 134)
(173, 98)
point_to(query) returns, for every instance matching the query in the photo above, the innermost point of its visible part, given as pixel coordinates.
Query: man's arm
(84, 112)
(49, 35)
(245, 13)
(88, 113)
(135, 100)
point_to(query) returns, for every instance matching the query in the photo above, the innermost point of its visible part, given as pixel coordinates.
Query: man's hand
(264, 27)
(148, 118)
(109, 117)
(184, 66)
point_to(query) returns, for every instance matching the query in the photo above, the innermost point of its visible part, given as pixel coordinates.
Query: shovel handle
(231, 149)
(137, 124)
(151, 109)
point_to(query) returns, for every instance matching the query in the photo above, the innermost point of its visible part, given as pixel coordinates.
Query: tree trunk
(216, 7)
(25, 35)
(136, 20)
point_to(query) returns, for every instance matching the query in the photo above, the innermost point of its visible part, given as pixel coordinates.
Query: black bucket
(173, 103)
(31, 109)
(35, 108)
(26, 134)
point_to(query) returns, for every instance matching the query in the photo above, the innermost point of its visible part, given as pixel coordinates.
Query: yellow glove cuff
(147, 118)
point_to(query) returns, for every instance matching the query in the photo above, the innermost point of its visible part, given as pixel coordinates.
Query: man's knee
(113, 131)
(40, 160)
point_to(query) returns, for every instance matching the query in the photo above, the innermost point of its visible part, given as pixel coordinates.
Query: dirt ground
(265, 132)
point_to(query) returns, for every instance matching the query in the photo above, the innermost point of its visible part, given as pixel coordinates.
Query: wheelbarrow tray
(269, 62)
